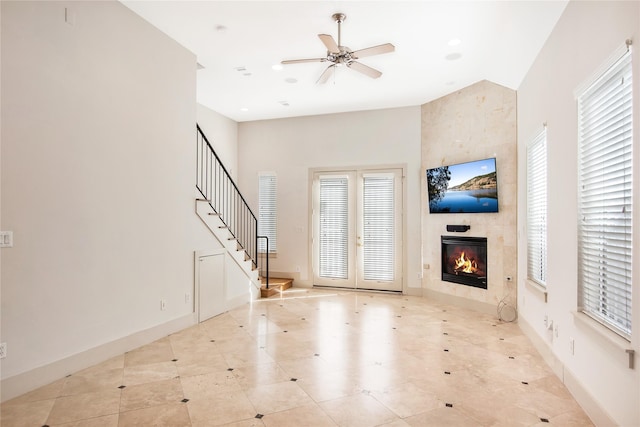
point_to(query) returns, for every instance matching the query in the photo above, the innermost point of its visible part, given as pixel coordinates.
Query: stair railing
(265, 274)
(217, 187)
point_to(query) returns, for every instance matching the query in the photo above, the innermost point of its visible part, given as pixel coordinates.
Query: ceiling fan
(341, 55)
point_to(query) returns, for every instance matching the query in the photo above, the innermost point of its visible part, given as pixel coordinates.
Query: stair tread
(276, 285)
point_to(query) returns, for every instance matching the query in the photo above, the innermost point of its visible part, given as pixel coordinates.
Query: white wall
(98, 185)
(291, 147)
(222, 133)
(598, 373)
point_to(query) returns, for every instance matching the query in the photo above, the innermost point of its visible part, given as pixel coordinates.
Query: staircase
(224, 211)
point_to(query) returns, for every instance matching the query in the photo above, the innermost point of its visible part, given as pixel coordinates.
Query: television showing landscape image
(470, 187)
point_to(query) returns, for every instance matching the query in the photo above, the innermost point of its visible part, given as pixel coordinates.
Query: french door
(357, 229)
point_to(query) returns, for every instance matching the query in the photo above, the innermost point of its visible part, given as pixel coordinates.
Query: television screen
(463, 188)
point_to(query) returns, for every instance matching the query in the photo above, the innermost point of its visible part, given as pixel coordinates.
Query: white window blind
(605, 206)
(334, 227)
(267, 212)
(378, 228)
(537, 209)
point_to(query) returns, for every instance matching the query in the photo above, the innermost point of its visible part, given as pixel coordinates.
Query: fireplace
(464, 260)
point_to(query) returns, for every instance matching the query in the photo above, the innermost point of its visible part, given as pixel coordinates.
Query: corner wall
(597, 371)
(98, 154)
(474, 123)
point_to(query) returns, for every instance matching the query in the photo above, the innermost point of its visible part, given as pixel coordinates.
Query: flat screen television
(470, 187)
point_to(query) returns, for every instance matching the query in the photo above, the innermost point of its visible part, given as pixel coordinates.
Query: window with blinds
(267, 212)
(334, 228)
(378, 228)
(605, 207)
(537, 209)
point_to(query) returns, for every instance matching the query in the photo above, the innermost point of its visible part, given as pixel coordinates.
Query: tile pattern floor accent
(316, 358)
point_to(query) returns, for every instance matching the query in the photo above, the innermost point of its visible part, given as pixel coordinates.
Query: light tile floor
(317, 358)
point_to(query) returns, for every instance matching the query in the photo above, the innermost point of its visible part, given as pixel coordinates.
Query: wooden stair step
(276, 285)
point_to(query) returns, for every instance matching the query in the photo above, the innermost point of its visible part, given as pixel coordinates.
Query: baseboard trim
(589, 404)
(414, 292)
(467, 303)
(27, 381)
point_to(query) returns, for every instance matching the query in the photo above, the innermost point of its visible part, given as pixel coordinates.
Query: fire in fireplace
(464, 260)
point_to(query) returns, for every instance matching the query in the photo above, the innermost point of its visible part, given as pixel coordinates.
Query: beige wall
(98, 153)
(291, 147)
(474, 123)
(597, 372)
(222, 134)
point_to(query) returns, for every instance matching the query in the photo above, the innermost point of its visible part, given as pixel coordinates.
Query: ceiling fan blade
(330, 43)
(326, 74)
(374, 50)
(299, 61)
(364, 69)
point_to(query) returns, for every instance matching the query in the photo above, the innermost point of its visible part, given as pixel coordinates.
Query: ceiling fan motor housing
(339, 17)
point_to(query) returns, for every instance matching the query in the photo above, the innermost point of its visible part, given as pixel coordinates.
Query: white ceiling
(499, 42)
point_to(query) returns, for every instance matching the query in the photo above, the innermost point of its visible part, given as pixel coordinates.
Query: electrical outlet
(6, 239)
(3, 350)
(187, 298)
(572, 346)
(163, 305)
(297, 268)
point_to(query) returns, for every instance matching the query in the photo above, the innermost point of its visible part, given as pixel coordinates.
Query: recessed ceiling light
(454, 42)
(291, 80)
(450, 83)
(221, 28)
(453, 56)
(284, 103)
(276, 67)
(244, 109)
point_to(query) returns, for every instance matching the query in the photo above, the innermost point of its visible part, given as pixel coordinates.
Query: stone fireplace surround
(476, 122)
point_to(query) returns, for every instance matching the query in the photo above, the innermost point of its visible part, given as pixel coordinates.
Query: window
(604, 197)
(537, 209)
(267, 211)
(334, 227)
(378, 227)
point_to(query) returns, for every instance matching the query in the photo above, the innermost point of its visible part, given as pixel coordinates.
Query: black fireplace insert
(464, 260)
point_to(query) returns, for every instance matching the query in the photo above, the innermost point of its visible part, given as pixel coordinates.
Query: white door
(211, 298)
(357, 229)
